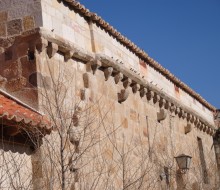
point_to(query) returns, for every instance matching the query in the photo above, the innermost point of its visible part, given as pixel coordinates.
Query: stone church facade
(82, 107)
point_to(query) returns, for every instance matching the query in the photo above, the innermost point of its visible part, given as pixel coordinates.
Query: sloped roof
(135, 49)
(14, 114)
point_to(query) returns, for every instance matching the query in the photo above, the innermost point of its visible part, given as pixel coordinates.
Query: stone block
(27, 67)
(161, 115)
(22, 49)
(28, 23)
(3, 16)
(16, 84)
(14, 27)
(2, 30)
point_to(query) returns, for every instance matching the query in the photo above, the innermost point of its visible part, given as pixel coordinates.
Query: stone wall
(19, 16)
(73, 27)
(80, 76)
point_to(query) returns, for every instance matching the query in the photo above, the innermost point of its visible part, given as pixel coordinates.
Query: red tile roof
(15, 114)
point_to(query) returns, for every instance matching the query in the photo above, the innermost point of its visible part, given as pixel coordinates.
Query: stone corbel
(177, 111)
(199, 124)
(135, 87)
(162, 103)
(205, 128)
(180, 114)
(161, 115)
(172, 108)
(52, 48)
(196, 121)
(68, 55)
(108, 72)
(118, 77)
(41, 44)
(167, 105)
(192, 119)
(150, 94)
(189, 117)
(188, 128)
(184, 115)
(93, 65)
(127, 82)
(143, 92)
(156, 98)
(123, 95)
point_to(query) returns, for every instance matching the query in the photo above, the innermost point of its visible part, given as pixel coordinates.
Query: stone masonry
(68, 63)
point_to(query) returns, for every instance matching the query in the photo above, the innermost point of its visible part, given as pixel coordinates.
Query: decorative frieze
(110, 67)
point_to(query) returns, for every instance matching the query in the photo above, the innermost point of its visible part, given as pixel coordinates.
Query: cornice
(51, 44)
(135, 49)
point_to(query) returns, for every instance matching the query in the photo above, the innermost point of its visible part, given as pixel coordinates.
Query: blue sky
(183, 36)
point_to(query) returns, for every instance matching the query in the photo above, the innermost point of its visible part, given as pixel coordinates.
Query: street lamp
(183, 161)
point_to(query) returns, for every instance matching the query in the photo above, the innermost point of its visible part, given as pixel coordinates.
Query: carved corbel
(41, 44)
(118, 77)
(205, 127)
(199, 124)
(135, 87)
(161, 115)
(123, 95)
(196, 121)
(93, 65)
(143, 92)
(177, 111)
(162, 103)
(188, 128)
(172, 108)
(209, 130)
(52, 48)
(68, 55)
(201, 127)
(108, 72)
(156, 98)
(192, 119)
(184, 115)
(167, 105)
(180, 114)
(127, 82)
(150, 95)
(189, 116)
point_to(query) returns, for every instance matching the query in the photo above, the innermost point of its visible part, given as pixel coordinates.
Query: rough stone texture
(28, 23)
(2, 30)
(3, 16)
(14, 27)
(129, 124)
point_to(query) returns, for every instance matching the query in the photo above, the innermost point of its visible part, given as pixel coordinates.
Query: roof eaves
(136, 50)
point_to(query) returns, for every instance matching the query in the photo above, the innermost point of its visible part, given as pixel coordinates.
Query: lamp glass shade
(183, 161)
